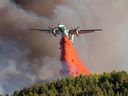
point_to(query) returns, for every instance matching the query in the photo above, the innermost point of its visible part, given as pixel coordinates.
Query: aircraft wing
(48, 30)
(84, 31)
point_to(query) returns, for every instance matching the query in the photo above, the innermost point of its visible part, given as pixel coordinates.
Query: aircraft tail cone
(72, 66)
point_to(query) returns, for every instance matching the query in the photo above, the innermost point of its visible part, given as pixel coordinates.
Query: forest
(106, 84)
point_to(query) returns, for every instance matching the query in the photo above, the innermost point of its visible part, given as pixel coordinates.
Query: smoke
(1, 90)
(16, 70)
(29, 54)
(13, 66)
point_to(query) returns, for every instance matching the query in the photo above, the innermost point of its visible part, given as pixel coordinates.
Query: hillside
(106, 84)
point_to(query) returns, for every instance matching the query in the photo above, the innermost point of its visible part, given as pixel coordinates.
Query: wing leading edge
(84, 31)
(70, 31)
(48, 30)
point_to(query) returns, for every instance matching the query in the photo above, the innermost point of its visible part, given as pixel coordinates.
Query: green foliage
(106, 84)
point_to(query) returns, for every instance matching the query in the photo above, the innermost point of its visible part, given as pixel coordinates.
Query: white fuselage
(65, 32)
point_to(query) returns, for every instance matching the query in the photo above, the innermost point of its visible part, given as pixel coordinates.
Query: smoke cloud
(27, 56)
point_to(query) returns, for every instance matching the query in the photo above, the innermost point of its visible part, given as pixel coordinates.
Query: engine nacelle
(53, 32)
(77, 31)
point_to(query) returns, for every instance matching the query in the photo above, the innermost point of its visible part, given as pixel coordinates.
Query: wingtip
(31, 29)
(99, 29)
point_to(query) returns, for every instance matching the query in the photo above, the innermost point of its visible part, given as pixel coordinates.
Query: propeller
(53, 30)
(77, 31)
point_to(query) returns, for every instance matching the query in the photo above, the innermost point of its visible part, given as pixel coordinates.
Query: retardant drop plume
(71, 63)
